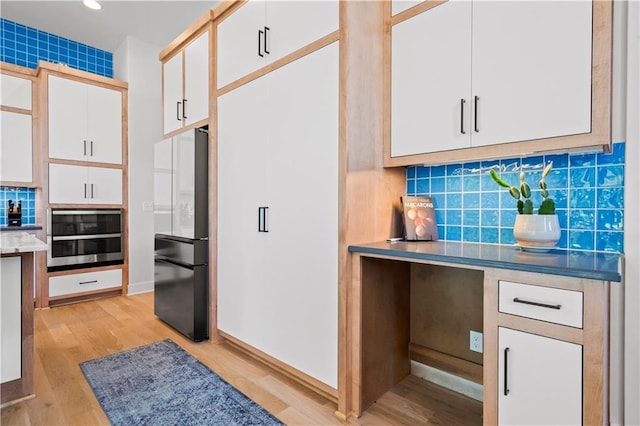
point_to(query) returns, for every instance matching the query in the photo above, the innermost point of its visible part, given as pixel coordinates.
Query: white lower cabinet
(539, 380)
(277, 191)
(11, 318)
(85, 282)
(69, 184)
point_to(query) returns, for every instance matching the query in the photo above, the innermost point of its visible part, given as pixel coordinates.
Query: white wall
(136, 62)
(632, 221)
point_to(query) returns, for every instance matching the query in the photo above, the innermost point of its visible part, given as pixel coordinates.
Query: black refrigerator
(181, 249)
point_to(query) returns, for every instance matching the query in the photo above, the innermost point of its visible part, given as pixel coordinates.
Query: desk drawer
(84, 282)
(541, 303)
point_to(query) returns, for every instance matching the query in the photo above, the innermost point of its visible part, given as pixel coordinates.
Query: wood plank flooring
(68, 335)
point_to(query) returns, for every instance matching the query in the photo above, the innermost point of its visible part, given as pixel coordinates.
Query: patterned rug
(161, 384)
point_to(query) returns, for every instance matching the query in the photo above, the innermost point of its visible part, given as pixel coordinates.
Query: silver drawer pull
(88, 282)
(542, 305)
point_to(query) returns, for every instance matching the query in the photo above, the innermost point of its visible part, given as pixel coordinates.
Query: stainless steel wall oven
(80, 238)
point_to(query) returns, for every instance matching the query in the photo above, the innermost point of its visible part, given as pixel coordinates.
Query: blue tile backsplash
(588, 190)
(28, 198)
(25, 46)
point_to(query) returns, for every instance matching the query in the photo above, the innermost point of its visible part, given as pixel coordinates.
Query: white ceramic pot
(536, 230)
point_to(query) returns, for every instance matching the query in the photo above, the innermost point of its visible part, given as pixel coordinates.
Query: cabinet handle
(462, 101)
(88, 282)
(260, 32)
(262, 219)
(266, 43)
(91, 148)
(506, 383)
(91, 190)
(542, 305)
(85, 147)
(85, 190)
(178, 111)
(475, 114)
(184, 108)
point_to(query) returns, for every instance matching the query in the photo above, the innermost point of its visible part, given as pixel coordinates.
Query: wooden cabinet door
(242, 250)
(172, 93)
(302, 175)
(67, 119)
(68, 184)
(543, 381)
(104, 125)
(16, 147)
(196, 80)
(531, 69)
(295, 24)
(105, 185)
(239, 42)
(431, 81)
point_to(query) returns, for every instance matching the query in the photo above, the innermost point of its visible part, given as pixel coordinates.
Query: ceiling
(156, 22)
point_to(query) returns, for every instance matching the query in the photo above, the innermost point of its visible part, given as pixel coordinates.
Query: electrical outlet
(475, 341)
(147, 206)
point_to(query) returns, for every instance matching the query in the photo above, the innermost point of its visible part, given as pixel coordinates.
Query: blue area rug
(161, 384)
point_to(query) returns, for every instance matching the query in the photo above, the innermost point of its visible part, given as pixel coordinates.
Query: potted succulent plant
(531, 230)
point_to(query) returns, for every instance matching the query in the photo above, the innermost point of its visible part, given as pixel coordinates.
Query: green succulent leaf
(548, 206)
(525, 190)
(496, 178)
(522, 177)
(528, 207)
(520, 206)
(547, 169)
(515, 193)
(544, 193)
(542, 184)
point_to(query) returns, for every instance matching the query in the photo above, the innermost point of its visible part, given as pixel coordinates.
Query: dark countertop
(571, 263)
(20, 228)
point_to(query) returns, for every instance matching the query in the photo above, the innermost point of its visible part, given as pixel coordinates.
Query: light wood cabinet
(500, 79)
(539, 379)
(70, 184)
(185, 83)
(85, 121)
(271, 296)
(16, 148)
(260, 32)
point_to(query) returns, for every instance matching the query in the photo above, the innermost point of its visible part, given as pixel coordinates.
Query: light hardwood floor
(68, 335)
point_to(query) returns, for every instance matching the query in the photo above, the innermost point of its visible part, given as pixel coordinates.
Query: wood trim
(83, 270)
(490, 346)
(542, 328)
(413, 11)
(18, 71)
(53, 160)
(601, 104)
(22, 387)
(84, 294)
(296, 375)
(448, 363)
(20, 184)
(193, 31)
(83, 297)
(16, 110)
(59, 70)
(318, 44)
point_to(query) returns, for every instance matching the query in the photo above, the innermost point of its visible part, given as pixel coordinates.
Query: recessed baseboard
(446, 380)
(138, 288)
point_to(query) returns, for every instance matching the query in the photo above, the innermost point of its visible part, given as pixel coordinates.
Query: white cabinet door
(242, 122)
(11, 318)
(302, 159)
(67, 119)
(431, 81)
(15, 92)
(85, 122)
(295, 24)
(543, 382)
(70, 184)
(196, 80)
(105, 185)
(16, 147)
(531, 69)
(172, 92)
(240, 49)
(104, 125)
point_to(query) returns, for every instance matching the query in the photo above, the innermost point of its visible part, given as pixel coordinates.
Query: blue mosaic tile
(489, 218)
(411, 172)
(610, 176)
(490, 200)
(582, 198)
(438, 185)
(582, 177)
(454, 217)
(454, 201)
(610, 198)
(438, 171)
(453, 169)
(25, 46)
(609, 241)
(471, 183)
(423, 172)
(582, 219)
(506, 236)
(454, 233)
(454, 184)
(616, 156)
(582, 160)
(489, 235)
(471, 235)
(581, 240)
(610, 220)
(471, 217)
(471, 200)
(422, 186)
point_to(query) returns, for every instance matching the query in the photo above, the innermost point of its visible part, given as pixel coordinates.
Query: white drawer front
(81, 283)
(541, 303)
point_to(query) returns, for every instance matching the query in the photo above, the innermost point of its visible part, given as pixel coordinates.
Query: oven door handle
(84, 237)
(81, 212)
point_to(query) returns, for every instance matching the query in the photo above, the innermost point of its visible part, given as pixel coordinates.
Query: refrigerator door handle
(161, 259)
(262, 219)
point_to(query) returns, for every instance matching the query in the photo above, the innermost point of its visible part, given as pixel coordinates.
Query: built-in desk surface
(571, 263)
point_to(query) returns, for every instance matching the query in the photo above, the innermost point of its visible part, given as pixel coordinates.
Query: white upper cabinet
(85, 122)
(16, 147)
(467, 74)
(15, 92)
(185, 84)
(69, 184)
(261, 32)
